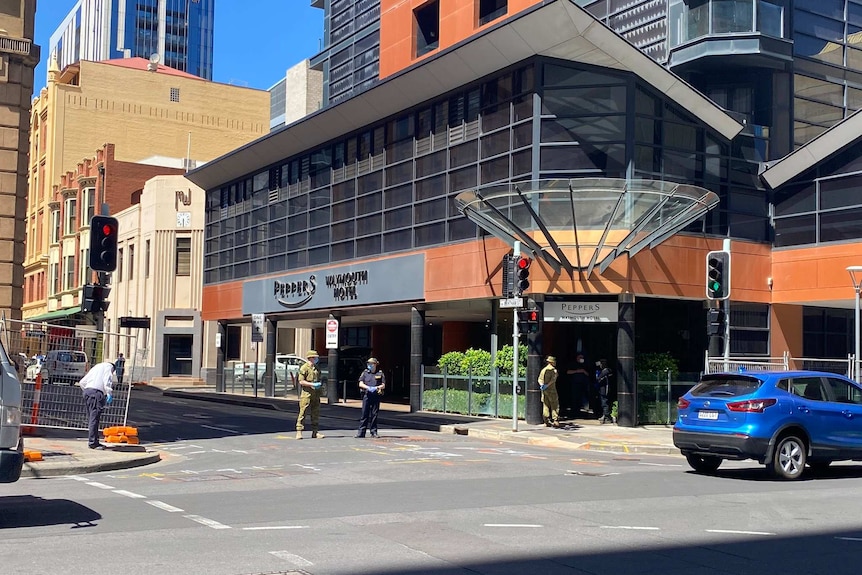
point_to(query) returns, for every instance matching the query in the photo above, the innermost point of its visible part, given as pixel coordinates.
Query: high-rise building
(179, 31)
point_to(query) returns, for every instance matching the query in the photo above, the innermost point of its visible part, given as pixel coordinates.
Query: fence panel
(50, 361)
(469, 395)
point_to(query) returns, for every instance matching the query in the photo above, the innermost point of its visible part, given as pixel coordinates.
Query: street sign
(511, 302)
(332, 334)
(138, 322)
(256, 327)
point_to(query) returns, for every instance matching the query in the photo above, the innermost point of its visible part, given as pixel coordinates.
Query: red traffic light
(108, 230)
(524, 263)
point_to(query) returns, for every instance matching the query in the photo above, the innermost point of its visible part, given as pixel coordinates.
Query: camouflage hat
(551, 359)
(373, 360)
(312, 353)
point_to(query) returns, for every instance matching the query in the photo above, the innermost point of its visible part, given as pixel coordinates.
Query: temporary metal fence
(52, 359)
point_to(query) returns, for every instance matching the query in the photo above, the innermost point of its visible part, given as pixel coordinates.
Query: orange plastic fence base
(121, 439)
(120, 430)
(30, 455)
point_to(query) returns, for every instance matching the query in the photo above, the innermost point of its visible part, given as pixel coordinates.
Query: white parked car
(286, 370)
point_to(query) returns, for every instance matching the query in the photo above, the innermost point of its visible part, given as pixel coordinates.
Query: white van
(11, 443)
(64, 366)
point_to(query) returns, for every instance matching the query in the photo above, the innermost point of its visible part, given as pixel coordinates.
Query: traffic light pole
(516, 253)
(726, 304)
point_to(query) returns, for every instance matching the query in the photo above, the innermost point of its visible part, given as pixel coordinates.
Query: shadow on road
(29, 511)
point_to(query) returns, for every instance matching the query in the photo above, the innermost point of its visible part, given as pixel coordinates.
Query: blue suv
(784, 419)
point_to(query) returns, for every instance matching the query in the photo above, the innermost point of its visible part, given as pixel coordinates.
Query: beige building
(159, 277)
(18, 58)
(150, 113)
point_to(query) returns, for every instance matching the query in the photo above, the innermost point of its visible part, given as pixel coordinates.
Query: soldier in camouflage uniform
(309, 399)
(550, 399)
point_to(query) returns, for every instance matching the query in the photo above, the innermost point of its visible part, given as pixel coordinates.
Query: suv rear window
(726, 386)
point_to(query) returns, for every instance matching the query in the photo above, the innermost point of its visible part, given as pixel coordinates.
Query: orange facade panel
(814, 274)
(459, 20)
(222, 301)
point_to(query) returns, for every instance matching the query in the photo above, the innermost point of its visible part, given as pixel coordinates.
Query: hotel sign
(585, 311)
(383, 281)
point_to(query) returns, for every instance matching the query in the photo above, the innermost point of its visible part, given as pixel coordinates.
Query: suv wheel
(703, 463)
(788, 459)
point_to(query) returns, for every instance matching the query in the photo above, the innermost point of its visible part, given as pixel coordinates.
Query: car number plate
(707, 414)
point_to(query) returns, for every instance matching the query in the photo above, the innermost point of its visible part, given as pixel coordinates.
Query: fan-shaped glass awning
(582, 223)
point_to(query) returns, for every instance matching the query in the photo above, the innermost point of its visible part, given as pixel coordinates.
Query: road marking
(734, 532)
(129, 494)
(207, 522)
(164, 506)
(274, 527)
(849, 538)
(292, 558)
(660, 464)
(76, 478)
(629, 527)
(222, 429)
(512, 525)
(100, 485)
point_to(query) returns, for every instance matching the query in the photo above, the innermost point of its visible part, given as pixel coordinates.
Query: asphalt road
(237, 495)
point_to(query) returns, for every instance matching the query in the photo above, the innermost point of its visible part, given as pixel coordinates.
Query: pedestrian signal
(528, 320)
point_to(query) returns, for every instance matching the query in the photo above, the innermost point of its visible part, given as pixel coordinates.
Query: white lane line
(849, 538)
(292, 558)
(512, 525)
(77, 478)
(273, 527)
(630, 527)
(222, 429)
(207, 522)
(164, 506)
(195, 452)
(129, 494)
(734, 532)
(101, 485)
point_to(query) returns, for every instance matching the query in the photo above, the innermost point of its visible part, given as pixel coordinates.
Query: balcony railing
(694, 19)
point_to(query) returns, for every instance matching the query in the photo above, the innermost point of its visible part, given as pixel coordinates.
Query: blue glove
(543, 387)
(371, 389)
(109, 399)
(317, 385)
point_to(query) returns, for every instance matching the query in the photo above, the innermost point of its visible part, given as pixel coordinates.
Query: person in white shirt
(98, 392)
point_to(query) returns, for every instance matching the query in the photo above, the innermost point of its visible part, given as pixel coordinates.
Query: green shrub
(505, 355)
(457, 401)
(452, 362)
(476, 362)
(656, 365)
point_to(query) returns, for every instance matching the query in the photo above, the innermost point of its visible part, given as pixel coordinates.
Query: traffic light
(94, 298)
(718, 275)
(528, 320)
(103, 243)
(523, 270)
(715, 322)
(508, 276)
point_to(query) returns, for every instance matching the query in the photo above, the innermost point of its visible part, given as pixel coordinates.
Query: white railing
(848, 366)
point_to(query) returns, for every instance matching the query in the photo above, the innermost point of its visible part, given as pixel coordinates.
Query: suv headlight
(10, 416)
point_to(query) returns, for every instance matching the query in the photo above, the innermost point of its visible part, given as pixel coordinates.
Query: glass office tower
(179, 31)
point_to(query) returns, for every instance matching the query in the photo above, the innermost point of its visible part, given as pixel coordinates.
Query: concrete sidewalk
(64, 453)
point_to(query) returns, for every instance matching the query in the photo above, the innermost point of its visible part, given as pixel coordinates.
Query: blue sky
(252, 47)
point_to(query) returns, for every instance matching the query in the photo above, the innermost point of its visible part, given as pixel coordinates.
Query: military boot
(299, 435)
(316, 435)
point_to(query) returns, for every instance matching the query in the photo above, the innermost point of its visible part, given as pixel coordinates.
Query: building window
(85, 259)
(184, 257)
(71, 216)
(88, 210)
(427, 19)
(147, 259)
(69, 278)
(175, 94)
(491, 10)
(120, 265)
(55, 226)
(54, 280)
(131, 262)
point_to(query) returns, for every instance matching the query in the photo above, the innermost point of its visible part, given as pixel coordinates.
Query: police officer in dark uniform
(372, 383)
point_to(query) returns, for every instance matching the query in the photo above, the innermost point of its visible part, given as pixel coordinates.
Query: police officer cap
(373, 360)
(551, 359)
(312, 353)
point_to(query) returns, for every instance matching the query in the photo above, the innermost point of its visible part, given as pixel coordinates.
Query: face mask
(314, 360)
(370, 367)
(581, 360)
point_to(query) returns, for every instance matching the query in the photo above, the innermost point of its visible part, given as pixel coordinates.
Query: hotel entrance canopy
(578, 224)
